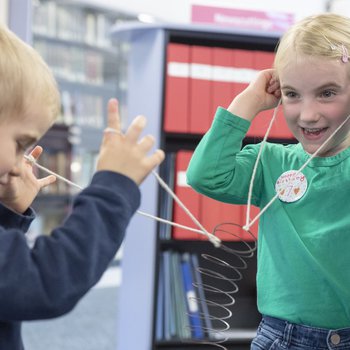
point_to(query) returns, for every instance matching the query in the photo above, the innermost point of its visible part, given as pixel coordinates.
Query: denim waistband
(317, 338)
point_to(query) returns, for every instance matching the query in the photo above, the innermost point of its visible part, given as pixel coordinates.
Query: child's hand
(125, 153)
(22, 186)
(261, 94)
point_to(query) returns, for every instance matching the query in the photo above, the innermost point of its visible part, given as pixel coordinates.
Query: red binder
(279, 129)
(243, 62)
(177, 84)
(200, 89)
(220, 216)
(188, 196)
(222, 85)
(209, 213)
(258, 128)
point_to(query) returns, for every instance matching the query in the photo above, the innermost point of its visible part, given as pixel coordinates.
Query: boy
(49, 279)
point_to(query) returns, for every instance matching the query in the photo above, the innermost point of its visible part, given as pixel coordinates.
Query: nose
(16, 169)
(4, 178)
(309, 112)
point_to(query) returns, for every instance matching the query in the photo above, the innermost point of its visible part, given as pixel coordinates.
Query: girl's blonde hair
(325, 35)
(24, 78)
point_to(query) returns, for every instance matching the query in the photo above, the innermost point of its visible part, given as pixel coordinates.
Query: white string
(215, 240)
(247, 226)
(250, 192)
(212, 238)
(32, 160)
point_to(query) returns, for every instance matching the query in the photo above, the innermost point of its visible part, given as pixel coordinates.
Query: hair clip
(344, 51)
(345, 54)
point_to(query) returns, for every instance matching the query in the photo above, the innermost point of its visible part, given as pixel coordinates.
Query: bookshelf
(144, 245)
(74, 39)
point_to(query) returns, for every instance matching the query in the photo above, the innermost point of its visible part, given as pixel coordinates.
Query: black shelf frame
(173, 142)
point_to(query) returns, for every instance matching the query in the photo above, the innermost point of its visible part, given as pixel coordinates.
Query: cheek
(8, 160)
(339, 112)
(291, 113)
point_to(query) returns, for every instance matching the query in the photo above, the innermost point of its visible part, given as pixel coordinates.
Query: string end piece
(215, 240)
(246, 227)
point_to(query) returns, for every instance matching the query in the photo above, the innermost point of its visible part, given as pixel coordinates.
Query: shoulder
(270, 150)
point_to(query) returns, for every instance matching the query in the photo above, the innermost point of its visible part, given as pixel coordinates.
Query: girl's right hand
(261, 94)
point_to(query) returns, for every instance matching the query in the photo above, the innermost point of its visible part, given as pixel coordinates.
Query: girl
(303, 281)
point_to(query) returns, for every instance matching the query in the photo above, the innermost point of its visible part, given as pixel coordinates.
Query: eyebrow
(324, 86)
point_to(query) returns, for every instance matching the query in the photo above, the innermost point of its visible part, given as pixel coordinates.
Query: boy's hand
(22, 186)
(125, 153)
(263, 93)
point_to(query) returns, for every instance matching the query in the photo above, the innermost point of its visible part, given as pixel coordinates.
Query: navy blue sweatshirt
(49, 279)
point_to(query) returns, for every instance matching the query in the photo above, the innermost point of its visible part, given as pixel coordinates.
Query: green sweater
(303, 246)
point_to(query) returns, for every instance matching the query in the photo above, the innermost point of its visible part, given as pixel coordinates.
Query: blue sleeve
(11, 219)
(49, 279)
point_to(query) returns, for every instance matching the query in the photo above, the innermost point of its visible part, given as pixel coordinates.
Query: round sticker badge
(291, 186)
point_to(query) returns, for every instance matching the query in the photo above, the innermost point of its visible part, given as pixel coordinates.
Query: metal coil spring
(219, 312)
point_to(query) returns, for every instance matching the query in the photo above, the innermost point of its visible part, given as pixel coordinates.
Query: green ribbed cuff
(232, 120)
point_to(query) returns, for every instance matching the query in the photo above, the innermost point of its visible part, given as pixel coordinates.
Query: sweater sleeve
(219, 167)
(11, 219)
(49, 279)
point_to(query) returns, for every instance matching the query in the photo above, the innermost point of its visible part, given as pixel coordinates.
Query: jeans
(276, 334)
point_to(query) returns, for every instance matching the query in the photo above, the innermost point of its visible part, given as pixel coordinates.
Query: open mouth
(313, 132)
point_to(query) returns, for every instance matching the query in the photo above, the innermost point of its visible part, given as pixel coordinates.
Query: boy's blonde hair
(325, 35)
(24, 78)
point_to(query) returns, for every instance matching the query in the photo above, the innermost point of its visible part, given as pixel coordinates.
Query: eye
(21, 147)
(289, 94)
(328, 93)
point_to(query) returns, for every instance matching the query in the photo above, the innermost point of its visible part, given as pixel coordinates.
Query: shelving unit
(73, 37)
(147, 69)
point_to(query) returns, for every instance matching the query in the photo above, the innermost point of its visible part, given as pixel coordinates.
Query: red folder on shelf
(177, 84)
(209, 213)
(220, 216)
(258, 128)
(222, 85)
(244, 71)
(243, 62)
(188, 196)
(279, 129)
(200, 89)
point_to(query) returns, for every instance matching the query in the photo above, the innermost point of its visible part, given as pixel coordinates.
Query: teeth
(313, 130)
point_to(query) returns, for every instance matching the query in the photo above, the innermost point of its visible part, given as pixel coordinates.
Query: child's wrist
(16, 207)
(245, 106)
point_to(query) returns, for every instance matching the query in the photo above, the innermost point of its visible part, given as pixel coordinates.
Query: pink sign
(243, 19)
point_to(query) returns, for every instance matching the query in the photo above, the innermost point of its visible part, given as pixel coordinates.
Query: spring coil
(219, 311)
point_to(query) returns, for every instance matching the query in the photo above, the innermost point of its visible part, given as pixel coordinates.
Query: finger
(135, 129)
(113, 122)
(36, 152)
(274, 85)
(146, 143)
(156, 158)
(46, 181)
(278, 93)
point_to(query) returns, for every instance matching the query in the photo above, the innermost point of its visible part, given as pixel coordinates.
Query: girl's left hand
(22, 185)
